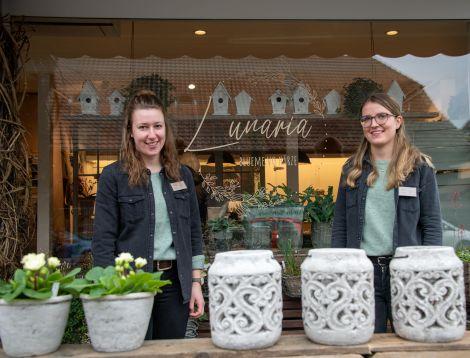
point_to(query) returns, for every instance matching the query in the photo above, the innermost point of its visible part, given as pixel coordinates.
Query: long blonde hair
(132, 161)
(405, 156)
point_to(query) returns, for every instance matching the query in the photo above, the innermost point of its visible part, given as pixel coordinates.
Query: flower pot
(222, 240)
(292, 286)
(321, 235)
(245, 299)
(428, 295)
(118, 323)
(338, 296)
(33, 327)
(258, 236)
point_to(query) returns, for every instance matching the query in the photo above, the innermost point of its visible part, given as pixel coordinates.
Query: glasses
(380, 119)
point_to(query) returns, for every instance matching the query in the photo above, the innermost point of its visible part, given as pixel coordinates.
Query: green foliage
(356, 93)
(37, 282)
(321, 208)
(292, 268)
(76, 331)
(278, 195)
(218, 224)
(120, 279)
(161, 86)
(463, 254)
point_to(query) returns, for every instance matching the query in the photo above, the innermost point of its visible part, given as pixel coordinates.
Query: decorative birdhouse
(333, 102)
(220, 99)
(116, 103)
(301, 98)
(396, 93)
(243, 102)
(88, 98)
(278, 102)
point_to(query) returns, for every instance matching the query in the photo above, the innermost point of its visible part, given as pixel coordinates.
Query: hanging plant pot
(33, 327)
(428, 294)
(118, 323)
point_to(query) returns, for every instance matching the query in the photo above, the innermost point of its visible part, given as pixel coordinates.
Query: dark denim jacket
(417, 219)
(125, 221)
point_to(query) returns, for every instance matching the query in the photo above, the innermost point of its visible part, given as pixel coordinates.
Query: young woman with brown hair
(146, 205)
(387, 197)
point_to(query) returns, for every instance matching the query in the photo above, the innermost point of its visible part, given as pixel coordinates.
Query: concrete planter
(338, 306)
(118, 323)
(33, 327)
(245, 299)
(428, 295)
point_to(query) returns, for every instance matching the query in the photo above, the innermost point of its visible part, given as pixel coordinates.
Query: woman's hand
(196, 304)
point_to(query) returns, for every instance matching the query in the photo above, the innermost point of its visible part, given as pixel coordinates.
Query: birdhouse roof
(243, 93)
(115, 94)
(88, 89)
(277, 93)
(395, 90)
(333, 94)
(220, 87)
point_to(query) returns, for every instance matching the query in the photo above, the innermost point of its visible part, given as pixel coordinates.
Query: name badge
(407, 191)
(178, 185)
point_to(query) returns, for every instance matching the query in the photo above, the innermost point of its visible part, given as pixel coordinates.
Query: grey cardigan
(417, 218)
(125, 221)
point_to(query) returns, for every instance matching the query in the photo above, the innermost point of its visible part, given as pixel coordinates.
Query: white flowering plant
(126, 276)
(40, 279)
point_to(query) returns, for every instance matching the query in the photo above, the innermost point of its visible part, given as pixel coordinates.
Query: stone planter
(118, 323)
(292, 286)
(33, 327)
(245, 299)
(338, 306)
(321, 235)
(428, 297)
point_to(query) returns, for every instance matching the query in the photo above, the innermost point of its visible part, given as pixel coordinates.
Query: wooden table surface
(381, 346)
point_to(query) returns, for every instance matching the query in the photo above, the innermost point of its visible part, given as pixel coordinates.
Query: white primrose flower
(140, 262)
(33, 262)
(124, 257)
(53, 262)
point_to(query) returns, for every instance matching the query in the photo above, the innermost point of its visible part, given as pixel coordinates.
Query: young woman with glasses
(387, 197)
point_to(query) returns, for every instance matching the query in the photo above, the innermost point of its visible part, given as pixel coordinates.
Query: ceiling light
(392, 32)
(191, 86)
(200, 32)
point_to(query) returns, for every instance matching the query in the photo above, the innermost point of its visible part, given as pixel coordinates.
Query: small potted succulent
(118, 303)
(34, 306)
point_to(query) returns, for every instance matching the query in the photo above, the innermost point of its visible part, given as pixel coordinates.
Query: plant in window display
(320, 212)
(34, 306)
(291, 282)
(463, 253)
(221, 233)
(356, 93)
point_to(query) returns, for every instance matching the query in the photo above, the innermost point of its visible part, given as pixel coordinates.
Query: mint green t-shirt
(377, 239)
(163, 248)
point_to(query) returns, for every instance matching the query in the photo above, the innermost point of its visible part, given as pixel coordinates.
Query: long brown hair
(405, 156)
(132, 161)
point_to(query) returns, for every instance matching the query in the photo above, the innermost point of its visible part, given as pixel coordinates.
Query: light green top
(379, 216)
(163, 248)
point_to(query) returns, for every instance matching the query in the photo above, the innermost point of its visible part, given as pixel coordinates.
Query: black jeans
(169, 314)
(383, 299)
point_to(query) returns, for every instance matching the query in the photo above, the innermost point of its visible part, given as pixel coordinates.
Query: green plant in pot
(118, 302)
(34, 306)
(291, 282)
(220, 236)
(463, 253)
(320, 212)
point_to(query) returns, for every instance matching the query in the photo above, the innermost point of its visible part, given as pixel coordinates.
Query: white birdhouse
(301, 98)
(116, 103)
(278, 102)
(220, 99)
(333, 102)
(396, 93)
(88, 98)
(243, 102)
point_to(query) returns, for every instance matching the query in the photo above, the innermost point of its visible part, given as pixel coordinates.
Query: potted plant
(271, 216)
(220, 235)
(118, 302)
(463, 253)
(320, 212)
(34, 306)
(291, 282)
